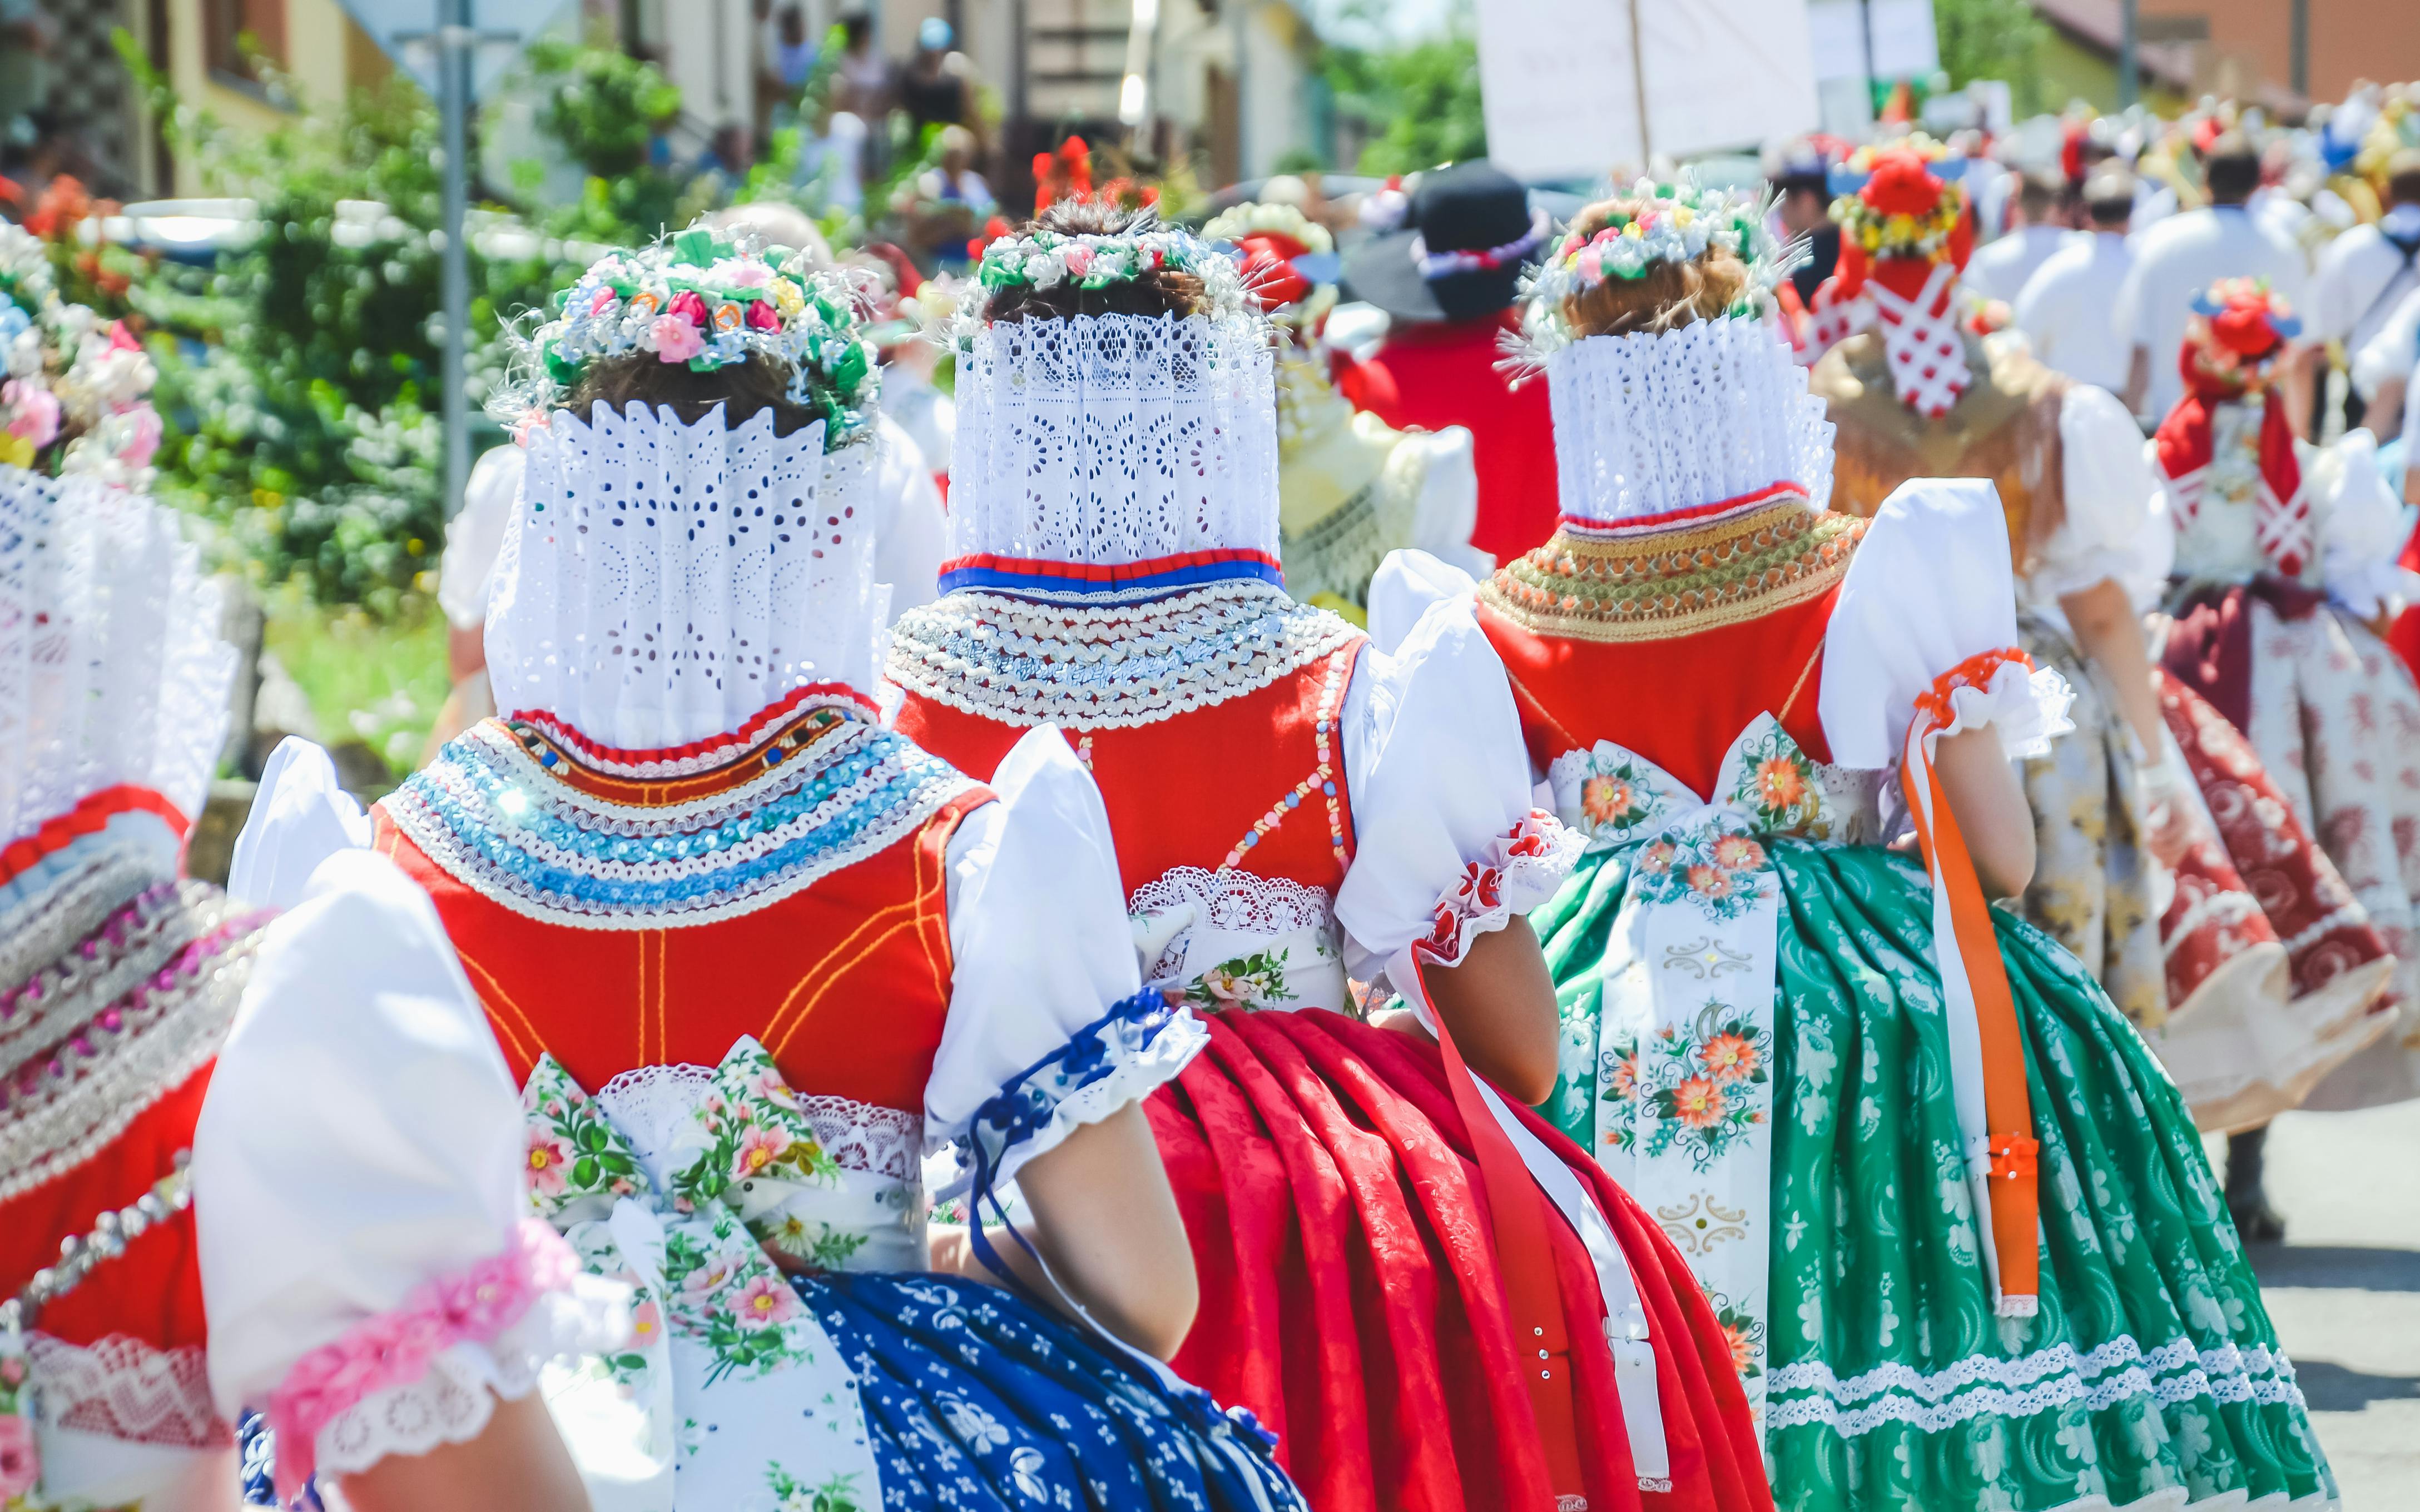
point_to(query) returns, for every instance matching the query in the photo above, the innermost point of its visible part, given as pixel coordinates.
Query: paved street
(2345, 1290)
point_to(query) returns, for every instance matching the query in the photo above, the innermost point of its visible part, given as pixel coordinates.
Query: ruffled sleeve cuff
(2116, 526)
(1122, 1056)
(429, 1372)
(2003, 689)
(2363, 530)
(1523, 869)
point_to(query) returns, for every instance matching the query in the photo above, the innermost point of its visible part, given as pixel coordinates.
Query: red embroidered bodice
(845, 983)
(1256, 782)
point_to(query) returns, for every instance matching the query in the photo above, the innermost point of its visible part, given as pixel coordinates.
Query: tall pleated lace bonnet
(1114, 456)
(1653, 423)
(662, 582)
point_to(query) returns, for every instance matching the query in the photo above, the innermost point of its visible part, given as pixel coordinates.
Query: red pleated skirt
(1350, 1298)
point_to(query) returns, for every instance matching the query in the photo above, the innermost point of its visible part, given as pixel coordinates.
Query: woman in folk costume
(2285, 570)
(1349, 487)
(1954, 1216)
(1293, 810)
(2130, 873)
(747, 957)
(118, 976)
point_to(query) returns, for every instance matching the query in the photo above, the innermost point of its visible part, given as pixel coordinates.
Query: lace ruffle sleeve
(1926, 603)
(1048, 1029)
(1446, 843)
(299, 817)
(357, 1173)
(2117, 525)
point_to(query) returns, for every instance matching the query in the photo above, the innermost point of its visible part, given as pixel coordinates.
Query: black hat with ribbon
(1467, 234)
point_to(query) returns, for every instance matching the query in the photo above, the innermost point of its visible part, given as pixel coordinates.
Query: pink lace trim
(1529, 861)
(395, 1348)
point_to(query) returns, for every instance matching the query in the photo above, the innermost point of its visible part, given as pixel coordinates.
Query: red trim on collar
(1113, 572)
(752, 731)
(1694, 514)
(91, 814)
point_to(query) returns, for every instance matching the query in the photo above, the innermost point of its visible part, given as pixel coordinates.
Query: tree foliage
(1420, 98)
(1992, 40)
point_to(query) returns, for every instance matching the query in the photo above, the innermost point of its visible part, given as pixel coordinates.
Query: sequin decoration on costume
(1708, 570)
(1109, 667)
(511, 816)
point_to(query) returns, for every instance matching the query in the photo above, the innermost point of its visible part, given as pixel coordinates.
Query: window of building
(237, 36)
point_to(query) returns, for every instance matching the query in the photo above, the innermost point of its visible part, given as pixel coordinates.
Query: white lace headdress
(1651, 423)
(662, 583)
(112, 672)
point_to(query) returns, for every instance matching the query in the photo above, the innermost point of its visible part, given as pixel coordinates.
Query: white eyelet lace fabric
(1116, 439)
(662, 583)
(1657, 422)
(111, 668)
(1175, 907)
(124, 1389)
(1107, 667)
(453, 1401)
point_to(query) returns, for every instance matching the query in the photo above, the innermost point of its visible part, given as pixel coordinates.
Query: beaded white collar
(1112, 440)
(1653, 423)
(662, 583)
(1107, 667)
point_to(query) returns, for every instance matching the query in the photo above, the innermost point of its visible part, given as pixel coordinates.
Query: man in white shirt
(2186, 255)
(2363, 275)
(2068, 308)
(1999, 270)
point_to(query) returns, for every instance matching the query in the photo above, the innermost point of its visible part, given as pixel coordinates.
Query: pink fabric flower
(548, 1159)
(1078, 259)
(20, 1465)
(601, 301)
(143, 439)
(690, 306)
(36, 419)
(760, 1149)
(747, 272)
(710, 1278)
(121, 339)
(395, 1348)
(646, 1324)
(764, 1301)
(677, 340)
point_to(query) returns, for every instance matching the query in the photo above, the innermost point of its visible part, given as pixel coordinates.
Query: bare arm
(1105, 1217)
(2111, 638)
(1990, 804)
(518, 1463)
(1500, 1005)
(2138, 381)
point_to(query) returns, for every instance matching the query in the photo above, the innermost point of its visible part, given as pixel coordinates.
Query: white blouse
(2117, 525)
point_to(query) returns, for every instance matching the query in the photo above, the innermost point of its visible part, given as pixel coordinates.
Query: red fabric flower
(763, 317)
(690, 307)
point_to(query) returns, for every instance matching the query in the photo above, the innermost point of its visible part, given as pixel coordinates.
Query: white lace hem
(122, 1388)
(1936, 1401)
(1171, 908)
(1139, 1072)
(453, 1402)
(1521, 870)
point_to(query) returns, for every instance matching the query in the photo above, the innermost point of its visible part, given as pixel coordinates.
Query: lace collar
(1662, 577)
(1107, 667)
(513, 815)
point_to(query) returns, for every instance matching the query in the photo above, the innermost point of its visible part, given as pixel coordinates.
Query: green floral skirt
(2149, 1377)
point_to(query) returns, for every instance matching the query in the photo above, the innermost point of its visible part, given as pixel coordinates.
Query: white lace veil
(112, 671)
(661, 583)
(1109, 440)
(1656, 422)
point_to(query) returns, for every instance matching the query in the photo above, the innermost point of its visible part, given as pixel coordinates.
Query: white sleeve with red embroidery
(370, 1278)
(2116, 525)
(1928, 608)
(1446, 845)
(1048, 1029)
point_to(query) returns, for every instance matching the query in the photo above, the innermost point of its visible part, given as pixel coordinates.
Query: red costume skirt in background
(1351, 1296)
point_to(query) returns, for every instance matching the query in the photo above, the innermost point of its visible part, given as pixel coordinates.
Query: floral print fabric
(2151, 1371)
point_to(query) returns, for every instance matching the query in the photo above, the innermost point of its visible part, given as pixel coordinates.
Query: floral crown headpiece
(1044, 260)
(1287, 259)
(2244, 319)
(710, 302)
(67, 370)
(1900, 199)
(1669, 223)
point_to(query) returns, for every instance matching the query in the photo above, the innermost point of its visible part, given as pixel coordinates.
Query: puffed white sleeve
(2116, 524)
(2389, 354)
(1406, 583)
(1447, 844)
(299, 817)
(367, 1268)
(1048, 1028)
(1926, 611)
(2361, 527)
(1446, 510)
